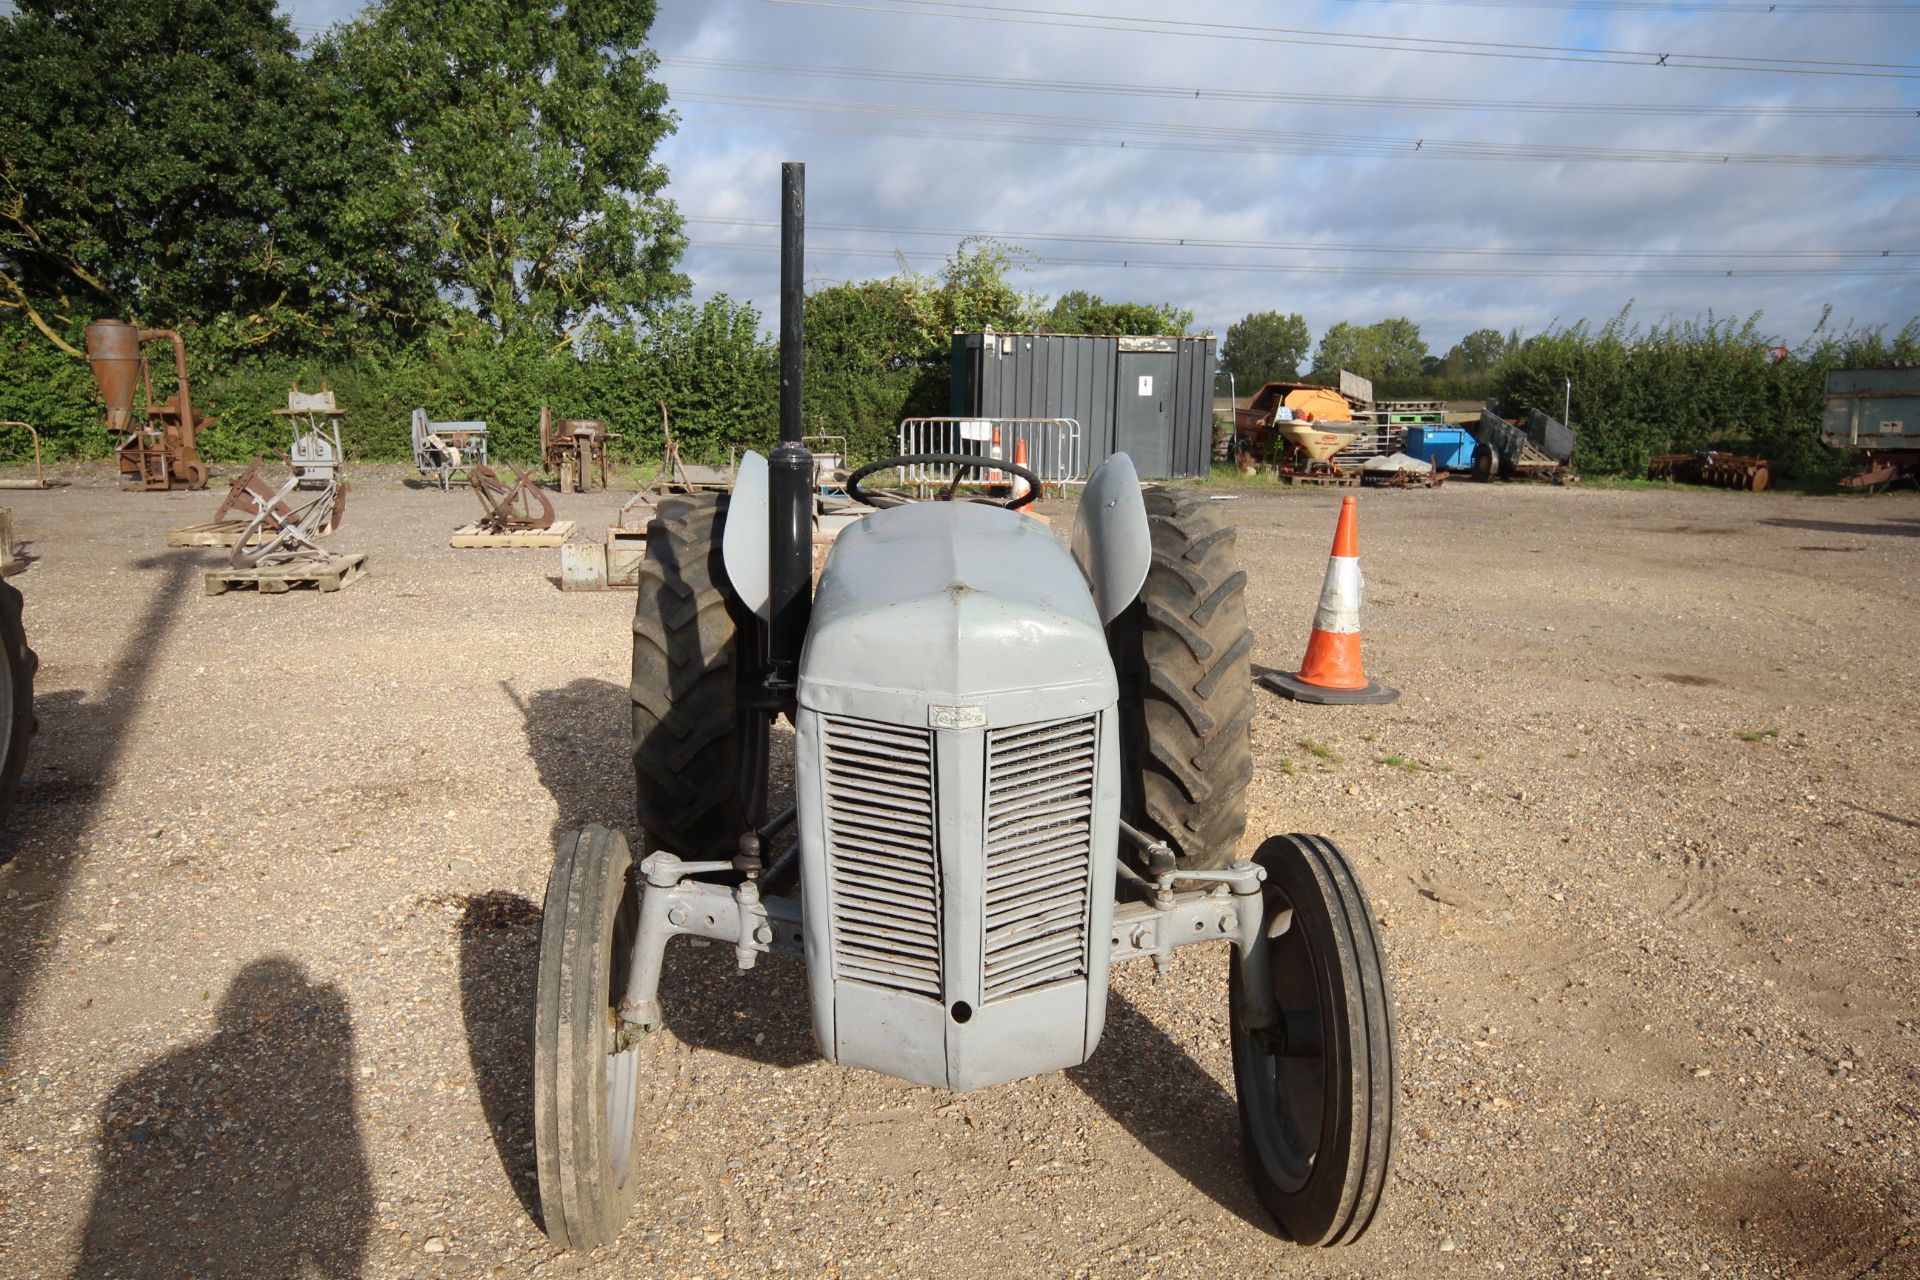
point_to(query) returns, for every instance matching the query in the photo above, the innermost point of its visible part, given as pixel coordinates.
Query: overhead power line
(1739, 7)
(1202, 242)
(1321, 269)
(1214, 138)
(882, 75)
(1244, 33)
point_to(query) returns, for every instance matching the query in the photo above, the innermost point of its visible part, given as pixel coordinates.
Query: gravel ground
(1642, 830)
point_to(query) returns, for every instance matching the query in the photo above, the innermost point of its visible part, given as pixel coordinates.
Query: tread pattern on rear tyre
(687, 627)
(1327, 1212)
(581, 1204)
(21, 663)
(1182, 651)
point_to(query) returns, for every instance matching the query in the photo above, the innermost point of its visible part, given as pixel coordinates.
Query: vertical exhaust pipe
(790, 469)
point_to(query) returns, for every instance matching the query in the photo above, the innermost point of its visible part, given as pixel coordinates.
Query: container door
(1143, 416)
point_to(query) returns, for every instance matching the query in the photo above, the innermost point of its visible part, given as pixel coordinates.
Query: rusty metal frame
(519, 508)
(39, 480)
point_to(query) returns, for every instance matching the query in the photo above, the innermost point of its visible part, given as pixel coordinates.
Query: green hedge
(1691, 384)
(709, 364)
(1637, 391)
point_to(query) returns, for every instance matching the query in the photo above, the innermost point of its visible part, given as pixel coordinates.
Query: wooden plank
(332, 575)
(223, 533)
(472, 535)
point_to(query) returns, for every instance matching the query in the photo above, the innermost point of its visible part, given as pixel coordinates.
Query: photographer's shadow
(240, 1154)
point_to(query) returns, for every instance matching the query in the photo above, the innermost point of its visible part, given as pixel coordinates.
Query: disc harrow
(1722, 470)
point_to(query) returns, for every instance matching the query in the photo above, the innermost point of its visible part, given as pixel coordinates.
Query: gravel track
(1643, 831)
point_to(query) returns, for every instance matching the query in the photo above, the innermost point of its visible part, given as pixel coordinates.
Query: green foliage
(881, 350)
(1264, 347)
(1078, 311)
(718, 377)
(173, 160)
(526, 132)
(1479, 352)
(1390, 352)
(1691, 384)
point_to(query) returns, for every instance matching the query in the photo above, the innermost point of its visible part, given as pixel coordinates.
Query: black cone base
(1291, 686)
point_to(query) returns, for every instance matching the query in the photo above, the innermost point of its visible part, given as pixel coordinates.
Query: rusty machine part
(248, 493)
(575, 449)
(39, 480)
(521, 508)
(1881, 469)
(158, 450)
(1723, 470)
(283, 533)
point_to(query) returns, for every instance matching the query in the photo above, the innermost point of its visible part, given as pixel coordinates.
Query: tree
(1265, 347)
(1478, 352)
(880, 350)
(1078, 311)
(175, 161)
(970, 292)
(1389, 352)
(528, 131)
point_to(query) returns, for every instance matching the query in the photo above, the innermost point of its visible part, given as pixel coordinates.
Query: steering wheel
(961, 462)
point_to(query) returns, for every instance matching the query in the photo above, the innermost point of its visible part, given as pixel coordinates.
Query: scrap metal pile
(284, 526)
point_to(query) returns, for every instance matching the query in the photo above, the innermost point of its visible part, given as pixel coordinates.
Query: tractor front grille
(882, 857)
(1039, 828)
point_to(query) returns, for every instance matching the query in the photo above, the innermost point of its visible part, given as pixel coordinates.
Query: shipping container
(1150, 398)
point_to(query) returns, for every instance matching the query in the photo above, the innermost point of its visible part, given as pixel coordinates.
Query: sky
(1341, 187)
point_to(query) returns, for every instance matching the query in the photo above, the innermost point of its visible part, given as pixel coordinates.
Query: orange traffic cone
(1331, 672)
(1020, 486)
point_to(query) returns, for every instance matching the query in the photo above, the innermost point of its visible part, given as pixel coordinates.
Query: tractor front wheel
(1317, 1088)
(594, 1076)
(1186, 685)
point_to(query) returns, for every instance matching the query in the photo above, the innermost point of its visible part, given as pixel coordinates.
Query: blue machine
(1450, 448)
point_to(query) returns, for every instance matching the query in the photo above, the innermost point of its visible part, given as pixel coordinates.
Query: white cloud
(724, 160)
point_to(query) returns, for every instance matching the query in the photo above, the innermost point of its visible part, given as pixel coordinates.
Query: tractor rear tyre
(1317, 1090)
(593, 1075)
(1186, 685)
(16, 703)
(699, 755)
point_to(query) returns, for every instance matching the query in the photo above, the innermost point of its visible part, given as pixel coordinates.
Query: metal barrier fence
(1055, 448)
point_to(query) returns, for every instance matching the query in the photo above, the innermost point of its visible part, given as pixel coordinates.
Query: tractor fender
(745, 548)
(1112, 541)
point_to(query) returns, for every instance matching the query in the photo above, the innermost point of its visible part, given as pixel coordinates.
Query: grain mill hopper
(157, 449)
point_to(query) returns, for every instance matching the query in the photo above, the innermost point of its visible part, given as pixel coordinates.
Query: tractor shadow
(760, 1016)
(74, 762)
(577, 737)
(1172, 1106)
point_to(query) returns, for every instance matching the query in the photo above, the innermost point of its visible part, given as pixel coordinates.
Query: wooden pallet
(1325, 480)
(472, 535)
(223, 533)
(335, 573)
